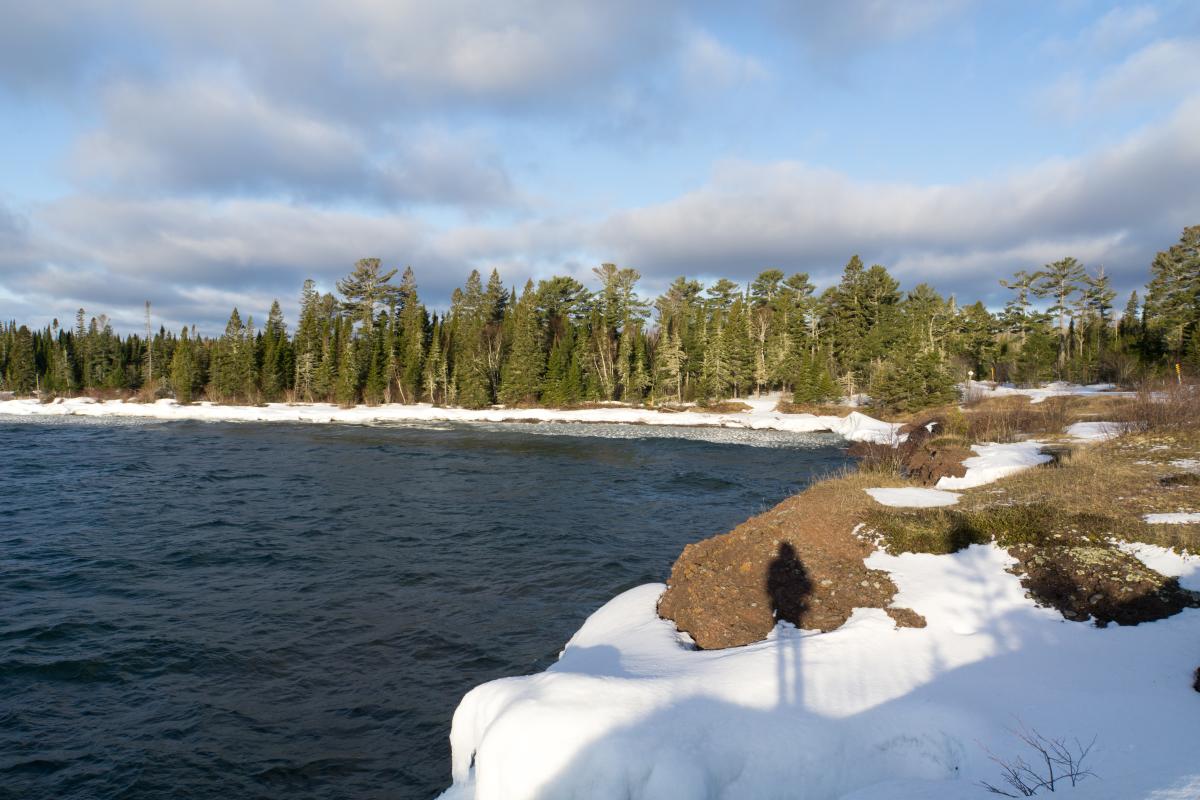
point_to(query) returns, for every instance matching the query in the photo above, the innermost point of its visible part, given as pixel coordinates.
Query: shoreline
(854, 426)
(907, 718)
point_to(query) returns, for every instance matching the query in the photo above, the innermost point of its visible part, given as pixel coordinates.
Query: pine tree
(276, 352)
(669, 360)
(347, 369)
(522, 374)
(412, 338)
(183, 369)
(1173, 294)
(21, 371)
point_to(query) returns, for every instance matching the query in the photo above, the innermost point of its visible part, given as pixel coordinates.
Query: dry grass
(1164, 407)
(1115, 482)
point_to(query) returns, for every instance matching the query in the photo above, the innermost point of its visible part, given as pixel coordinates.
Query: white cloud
(790, 215)
(212, 135)
(1164, 70)
(1119, 26)
(708, 64)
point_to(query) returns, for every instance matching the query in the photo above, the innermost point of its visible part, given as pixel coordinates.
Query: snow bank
(762, 416)
(1096, 431)
(867, 712)
(995, 461)
(978, 390)
(913, 497)
(1172, 519)
(1185, 567)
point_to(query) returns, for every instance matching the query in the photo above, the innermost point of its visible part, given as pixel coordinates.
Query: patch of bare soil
(1086, 581)
(798, 562)
(906, 618)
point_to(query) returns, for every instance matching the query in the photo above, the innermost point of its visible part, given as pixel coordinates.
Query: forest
(559, 343)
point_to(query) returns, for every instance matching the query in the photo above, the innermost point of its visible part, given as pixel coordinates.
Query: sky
(207, 155)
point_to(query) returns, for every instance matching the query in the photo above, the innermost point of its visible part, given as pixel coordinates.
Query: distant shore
(762, 415)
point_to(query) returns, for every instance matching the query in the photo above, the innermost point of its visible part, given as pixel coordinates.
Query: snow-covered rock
(867, 711)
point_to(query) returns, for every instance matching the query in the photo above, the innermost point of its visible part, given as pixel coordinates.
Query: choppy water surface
(292, 611)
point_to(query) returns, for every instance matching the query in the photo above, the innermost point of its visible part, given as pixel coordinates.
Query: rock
(906, 617)
(805, 567)
(1196, 684)
(914, 458)
(1084, 580)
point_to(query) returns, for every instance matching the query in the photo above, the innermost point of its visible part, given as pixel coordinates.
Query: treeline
(559, 343)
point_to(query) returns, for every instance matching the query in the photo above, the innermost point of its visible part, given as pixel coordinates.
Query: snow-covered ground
(978, 390)
(1096, 431)
(913, 497)
(994, 461)
(868, 711)
(762, 416)
(1167, 562)
(1173, 518)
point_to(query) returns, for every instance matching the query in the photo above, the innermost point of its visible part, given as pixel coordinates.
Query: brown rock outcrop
(915, 458)
(798, 562)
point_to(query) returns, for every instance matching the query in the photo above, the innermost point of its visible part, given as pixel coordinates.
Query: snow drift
(868, 711)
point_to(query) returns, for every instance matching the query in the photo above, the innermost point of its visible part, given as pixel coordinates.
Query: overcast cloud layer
(209, 155)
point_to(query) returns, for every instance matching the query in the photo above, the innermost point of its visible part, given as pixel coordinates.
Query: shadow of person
(789, 588)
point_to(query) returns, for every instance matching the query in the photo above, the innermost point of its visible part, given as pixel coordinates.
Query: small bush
(1160, 407)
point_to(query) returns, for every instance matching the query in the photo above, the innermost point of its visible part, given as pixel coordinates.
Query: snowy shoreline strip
(854, 427)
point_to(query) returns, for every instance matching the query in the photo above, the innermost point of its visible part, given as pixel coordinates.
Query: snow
(913, 497)
(1185, 567)
(1096, 431)
(868, 711)
(995, 461)
(1178, 518)
(978, 390)
(855, 426)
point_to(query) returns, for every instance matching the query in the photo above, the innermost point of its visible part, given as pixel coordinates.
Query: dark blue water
(293, 611)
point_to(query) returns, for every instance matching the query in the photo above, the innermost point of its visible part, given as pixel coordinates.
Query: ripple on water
(293, 611)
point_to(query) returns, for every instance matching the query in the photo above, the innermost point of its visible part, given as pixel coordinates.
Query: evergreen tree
(183, 369)
(526, 362)
(276, 355)
(21, 371)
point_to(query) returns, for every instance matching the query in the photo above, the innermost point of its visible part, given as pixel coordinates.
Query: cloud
(364, 58)
(191, 257)
(1118, 205)
(707, 63)
(838, 30)
(1119, 26)
(1163, 70)
(211, 135)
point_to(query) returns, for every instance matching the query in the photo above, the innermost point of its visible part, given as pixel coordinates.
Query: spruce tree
(522, 375)
(183, 369)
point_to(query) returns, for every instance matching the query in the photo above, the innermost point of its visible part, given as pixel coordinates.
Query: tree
(233, 362)
(365, 289)
(183, 369)
(522, 375)
(276, 355)
(412, 338)
(1173, 294)
(21, 374)
(1058, 282)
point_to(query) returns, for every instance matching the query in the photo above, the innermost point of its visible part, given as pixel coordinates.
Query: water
(293, 611)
